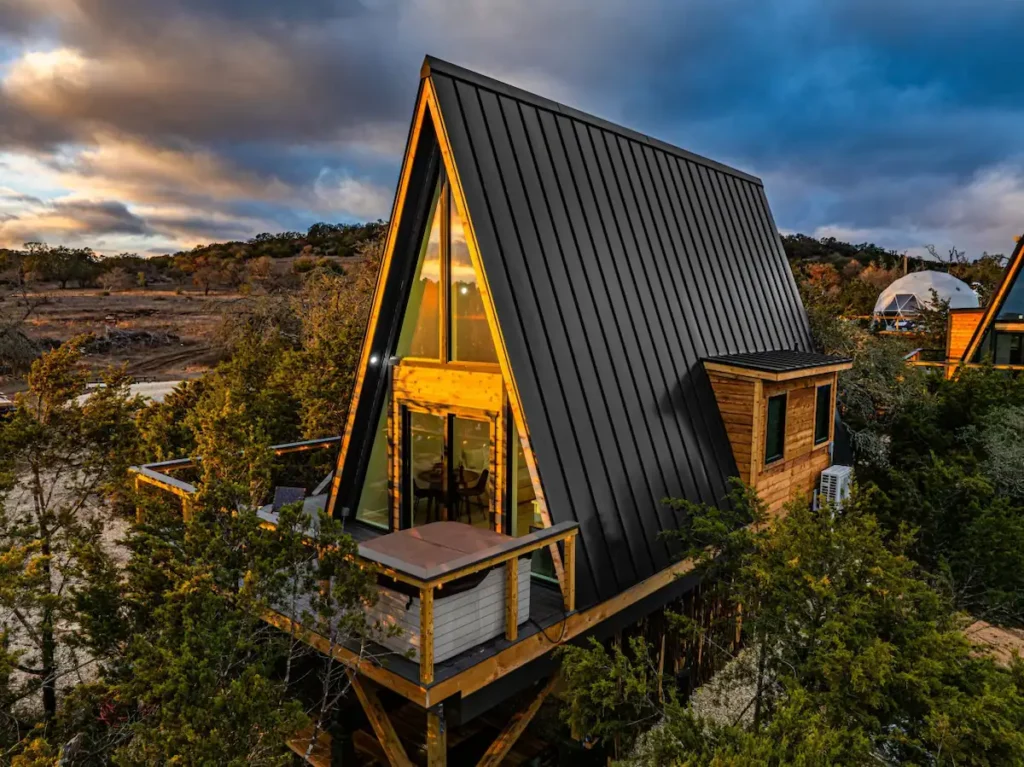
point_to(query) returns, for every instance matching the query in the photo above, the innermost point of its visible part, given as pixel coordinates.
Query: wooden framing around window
(474, 391)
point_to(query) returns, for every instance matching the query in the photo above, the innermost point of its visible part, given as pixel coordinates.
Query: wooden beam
(320, 755)
(379, 721)
(507, 738)
(427, 635)
(512, 600)
(569, 596)
(437, 737)
(490, 312)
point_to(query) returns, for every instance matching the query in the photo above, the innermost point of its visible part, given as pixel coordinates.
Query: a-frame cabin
(996, 333)
(573, 322)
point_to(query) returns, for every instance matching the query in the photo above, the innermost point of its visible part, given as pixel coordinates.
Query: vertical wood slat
(138, 504)
(427, 635)
(512, 600)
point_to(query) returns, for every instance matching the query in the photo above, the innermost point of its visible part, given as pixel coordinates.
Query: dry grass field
(159, 334)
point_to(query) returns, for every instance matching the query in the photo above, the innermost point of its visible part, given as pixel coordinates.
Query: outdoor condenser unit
(835, 485)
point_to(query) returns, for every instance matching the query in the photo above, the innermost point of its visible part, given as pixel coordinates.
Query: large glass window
(1001, 347)
(375, 501)
(1012, 309)
(823, 414)
(470, 335)
(775, 433)
(523, 517)
(421, 333)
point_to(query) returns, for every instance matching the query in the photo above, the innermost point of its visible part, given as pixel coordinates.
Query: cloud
(352, 197)
(900, 121)
(66, 219)
(129, 168)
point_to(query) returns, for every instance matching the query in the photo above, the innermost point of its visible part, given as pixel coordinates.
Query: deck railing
(156, 474)
(507, 553)
(426, 580)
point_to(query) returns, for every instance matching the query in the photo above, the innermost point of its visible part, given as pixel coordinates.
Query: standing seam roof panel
(677, 341)
(567, 346)
(695, 348)
(616, 263)
(565, 252)
(619, 332)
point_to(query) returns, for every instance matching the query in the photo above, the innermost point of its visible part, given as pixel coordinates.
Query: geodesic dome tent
(901, 302)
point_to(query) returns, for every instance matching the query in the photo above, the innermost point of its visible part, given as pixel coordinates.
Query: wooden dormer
(779, 413)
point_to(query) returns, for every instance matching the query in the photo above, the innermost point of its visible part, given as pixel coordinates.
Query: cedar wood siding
(962, 324)
(616, 263)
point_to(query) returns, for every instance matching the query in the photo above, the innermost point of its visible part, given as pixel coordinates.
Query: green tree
(333, 311)
(854, 658)
(65, 455)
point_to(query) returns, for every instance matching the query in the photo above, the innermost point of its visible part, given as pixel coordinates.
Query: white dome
(914, 290)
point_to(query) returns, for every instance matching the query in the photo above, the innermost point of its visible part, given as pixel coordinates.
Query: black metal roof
(783, 361)
(616, 264)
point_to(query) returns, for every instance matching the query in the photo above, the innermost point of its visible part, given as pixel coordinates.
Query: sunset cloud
(220, 118)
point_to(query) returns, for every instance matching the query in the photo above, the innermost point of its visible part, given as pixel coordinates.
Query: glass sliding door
(471, 479)
(447, 469)
(426, 468)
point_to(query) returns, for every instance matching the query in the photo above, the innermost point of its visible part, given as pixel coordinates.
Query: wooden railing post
(512, 600)
(186, 508)
(427, 635)
(138, 504)
(570, 573)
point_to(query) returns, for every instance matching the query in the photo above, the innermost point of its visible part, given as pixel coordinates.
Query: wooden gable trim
(1012, 272)
(736, 371)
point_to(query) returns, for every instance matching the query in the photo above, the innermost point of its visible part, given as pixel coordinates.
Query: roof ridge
(432, 64)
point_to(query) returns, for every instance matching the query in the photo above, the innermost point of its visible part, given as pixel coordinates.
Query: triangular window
(471, 339)
(421, 334)
(444, 259)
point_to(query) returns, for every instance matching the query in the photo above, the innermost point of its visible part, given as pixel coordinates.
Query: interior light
(374, 359)
(463, 290)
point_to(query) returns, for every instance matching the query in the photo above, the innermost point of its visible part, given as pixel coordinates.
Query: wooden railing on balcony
(426, 580)
(156, 474)
(429, 579)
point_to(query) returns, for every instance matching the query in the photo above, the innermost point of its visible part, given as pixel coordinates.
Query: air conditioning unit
(835, 485)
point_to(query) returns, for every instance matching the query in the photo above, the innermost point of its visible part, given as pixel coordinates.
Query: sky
(151, 126)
